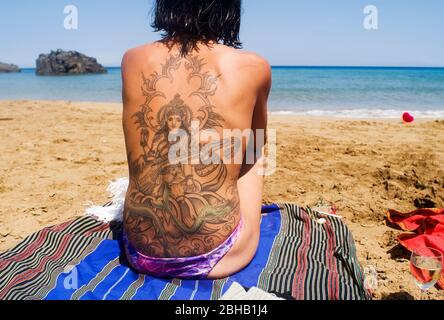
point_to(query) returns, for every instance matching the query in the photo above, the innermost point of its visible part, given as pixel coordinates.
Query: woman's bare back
(184, 198)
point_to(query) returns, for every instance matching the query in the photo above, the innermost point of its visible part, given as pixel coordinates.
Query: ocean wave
(364, 113)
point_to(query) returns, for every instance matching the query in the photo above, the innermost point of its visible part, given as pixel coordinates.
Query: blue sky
(286, 32)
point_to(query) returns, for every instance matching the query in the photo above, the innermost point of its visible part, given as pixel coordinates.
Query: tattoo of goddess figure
(178, 210)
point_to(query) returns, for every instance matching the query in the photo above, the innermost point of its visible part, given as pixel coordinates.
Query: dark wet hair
(188, 22)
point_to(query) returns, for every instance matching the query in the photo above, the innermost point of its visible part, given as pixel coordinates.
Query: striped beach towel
(298, 257)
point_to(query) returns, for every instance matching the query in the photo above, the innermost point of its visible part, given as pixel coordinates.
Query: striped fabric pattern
(82, 260)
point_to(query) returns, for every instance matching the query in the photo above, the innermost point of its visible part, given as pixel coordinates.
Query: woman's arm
(251, 181)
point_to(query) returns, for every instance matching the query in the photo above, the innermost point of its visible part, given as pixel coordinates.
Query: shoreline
(58, 157)
(272, 114)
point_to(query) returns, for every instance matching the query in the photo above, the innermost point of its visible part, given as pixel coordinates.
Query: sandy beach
(58, 157)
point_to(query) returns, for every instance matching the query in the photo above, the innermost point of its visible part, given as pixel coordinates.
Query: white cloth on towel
(237, 292)
(113, 212)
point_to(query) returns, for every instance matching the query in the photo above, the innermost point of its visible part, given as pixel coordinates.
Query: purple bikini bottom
(198, 267)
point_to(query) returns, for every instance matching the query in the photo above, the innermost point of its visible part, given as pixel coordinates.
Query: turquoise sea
(376, 92)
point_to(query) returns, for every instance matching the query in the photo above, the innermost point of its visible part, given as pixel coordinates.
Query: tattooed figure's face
(174, 123)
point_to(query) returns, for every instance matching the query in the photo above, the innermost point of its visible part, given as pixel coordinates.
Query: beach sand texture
(58, 157)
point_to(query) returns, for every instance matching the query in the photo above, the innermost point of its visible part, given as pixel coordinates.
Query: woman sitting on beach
(185, 216)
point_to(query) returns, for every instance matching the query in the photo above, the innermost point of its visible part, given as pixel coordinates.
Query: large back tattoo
(187, 208)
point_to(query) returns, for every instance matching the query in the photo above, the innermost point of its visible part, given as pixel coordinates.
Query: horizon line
(313, 66)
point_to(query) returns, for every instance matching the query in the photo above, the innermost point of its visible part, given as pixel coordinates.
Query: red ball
(407, 117)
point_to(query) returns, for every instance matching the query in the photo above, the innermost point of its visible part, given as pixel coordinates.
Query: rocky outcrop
(4, 67)
(67, 63)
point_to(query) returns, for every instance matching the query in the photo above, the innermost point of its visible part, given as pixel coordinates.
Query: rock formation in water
(67, 63)
(4, 67)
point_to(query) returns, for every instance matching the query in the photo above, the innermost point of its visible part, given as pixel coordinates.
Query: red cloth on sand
(425, 229)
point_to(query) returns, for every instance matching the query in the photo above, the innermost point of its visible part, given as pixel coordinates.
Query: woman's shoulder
(248, 65)
(244, 57)
(254, 59)
(143, 53)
